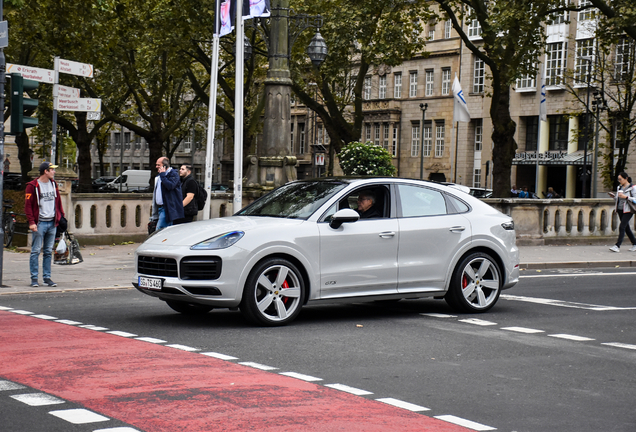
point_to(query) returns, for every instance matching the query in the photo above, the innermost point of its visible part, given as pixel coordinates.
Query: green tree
(365, 159)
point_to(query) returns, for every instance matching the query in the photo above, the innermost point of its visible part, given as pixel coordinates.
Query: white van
(131, 181)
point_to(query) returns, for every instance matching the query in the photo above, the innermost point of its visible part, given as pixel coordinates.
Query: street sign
(4, 34)
(78, 104)
(320, 159)
(65, 92)
(96, 116)
(36, 74)
(76, 68)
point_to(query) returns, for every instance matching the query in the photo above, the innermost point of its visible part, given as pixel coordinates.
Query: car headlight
(508, 226)
(219, 242)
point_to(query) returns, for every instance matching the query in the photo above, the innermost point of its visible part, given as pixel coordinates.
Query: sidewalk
(113, 267)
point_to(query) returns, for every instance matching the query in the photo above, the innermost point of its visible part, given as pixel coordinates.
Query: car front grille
(157, 266)
(200, 268)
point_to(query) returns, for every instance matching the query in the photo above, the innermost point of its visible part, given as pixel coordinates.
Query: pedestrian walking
(189, 189)
(43, 208)
(623, 193)
(167, 202)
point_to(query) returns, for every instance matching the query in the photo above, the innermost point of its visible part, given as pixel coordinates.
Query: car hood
(189, 234)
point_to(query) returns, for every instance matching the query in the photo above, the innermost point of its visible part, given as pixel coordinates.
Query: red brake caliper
(285, 286)
(464, 282)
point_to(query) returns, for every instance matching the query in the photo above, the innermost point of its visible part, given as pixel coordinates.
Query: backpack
(201, 197)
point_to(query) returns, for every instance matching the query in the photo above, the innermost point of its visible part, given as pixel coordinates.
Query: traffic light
(20, 104)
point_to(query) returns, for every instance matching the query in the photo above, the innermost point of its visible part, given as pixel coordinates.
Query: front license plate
(150, 283)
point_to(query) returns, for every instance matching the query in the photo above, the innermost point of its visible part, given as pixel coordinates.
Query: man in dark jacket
(189, 189)
(43, 208)
(167, 203)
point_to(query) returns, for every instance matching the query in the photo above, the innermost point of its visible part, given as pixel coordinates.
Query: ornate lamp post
(276, 166)
(598, 105)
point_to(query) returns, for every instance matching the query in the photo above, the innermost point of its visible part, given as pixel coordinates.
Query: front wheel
(476, 284)
(9, 227)
(188, 308)
(274, 293)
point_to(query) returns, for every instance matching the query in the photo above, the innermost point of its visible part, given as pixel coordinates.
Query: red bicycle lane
(158, 388)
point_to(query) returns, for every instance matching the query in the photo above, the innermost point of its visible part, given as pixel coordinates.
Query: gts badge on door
(330, 283)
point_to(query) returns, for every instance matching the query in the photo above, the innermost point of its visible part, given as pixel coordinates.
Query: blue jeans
(45, 235)
(162, 223)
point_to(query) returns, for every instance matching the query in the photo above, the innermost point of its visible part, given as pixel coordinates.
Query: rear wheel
(476, 284)
(8, 227)
(189, 308)
(274, 293)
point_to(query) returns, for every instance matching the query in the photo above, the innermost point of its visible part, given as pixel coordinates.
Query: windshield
(294, 200)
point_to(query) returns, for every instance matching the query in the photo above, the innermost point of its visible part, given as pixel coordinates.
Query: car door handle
(387, 234)
(457, 229)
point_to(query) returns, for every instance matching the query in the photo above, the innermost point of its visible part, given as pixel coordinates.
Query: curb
(576, 264)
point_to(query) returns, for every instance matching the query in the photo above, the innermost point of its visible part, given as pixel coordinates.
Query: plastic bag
(61, 246)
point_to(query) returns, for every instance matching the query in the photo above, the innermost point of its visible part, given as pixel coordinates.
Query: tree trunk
(83, 142)
(24, 156)
(503, 137)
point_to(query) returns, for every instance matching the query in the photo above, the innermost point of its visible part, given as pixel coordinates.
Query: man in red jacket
(43, 208)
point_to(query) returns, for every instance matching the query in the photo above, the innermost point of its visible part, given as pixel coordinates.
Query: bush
(365, 159)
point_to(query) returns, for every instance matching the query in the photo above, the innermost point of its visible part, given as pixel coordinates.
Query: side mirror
(343, 216)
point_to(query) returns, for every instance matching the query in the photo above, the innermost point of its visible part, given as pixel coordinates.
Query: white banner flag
(460, 110)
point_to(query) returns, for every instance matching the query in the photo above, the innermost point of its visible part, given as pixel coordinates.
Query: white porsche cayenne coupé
(305, 242)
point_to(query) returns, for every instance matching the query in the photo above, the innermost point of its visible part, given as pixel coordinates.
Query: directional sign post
(35, 74)
(78, 104)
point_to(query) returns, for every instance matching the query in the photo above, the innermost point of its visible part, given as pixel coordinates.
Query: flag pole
(214, 71)
(238, 113)
(542, 117)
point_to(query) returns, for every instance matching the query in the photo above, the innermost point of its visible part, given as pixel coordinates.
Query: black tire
(189, 308)
(9, 228)
(274, 293)
(475, 285)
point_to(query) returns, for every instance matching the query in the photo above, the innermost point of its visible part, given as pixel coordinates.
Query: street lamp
(588, 59)
(423, 107)
(317, 49)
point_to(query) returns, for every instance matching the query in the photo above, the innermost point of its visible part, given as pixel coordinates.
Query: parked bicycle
(8, 222)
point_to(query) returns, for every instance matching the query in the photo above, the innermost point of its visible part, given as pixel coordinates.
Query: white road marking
(4, 308)
(79, 416)
(8, 385)
(574, 275)
(571, 337)
(566, 304)
(117, 429)
(183, 347)
(219, 356)
(151, 340)
(258, 366)
(346, 388)
(21, 312)
(620, 345)
(401, 404)
(478, 322)
(522, 330)
(37, 399)
(465, 423)
(301, 376)
(68, 322)
(93, 327)
(45, 317)
(439, 315)
(121, 333)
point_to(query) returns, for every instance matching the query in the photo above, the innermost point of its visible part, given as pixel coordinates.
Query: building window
(586, 14)
(584, 48)
(428, 138)
(430, 81)
(367, 132)
(474, 28)
(301, 138)
(446, 81)
(382, 88)
(439, 139)
(431, 32)
(187, 144)
(532, 133)
(117, 141)
(415, 140)
(559, 17)
(479, 74)
(479, 135)
(397, 85)
(376, 127)
(367, 88)
(291, 146)
(319, 134)
(413, 84)
(395, 142)
(526, 82)
(448, 25)
(385, 142)
(558, 132)
(477, 178)
(137, 142)
(624, 58)
(555, 61)
(126, 140)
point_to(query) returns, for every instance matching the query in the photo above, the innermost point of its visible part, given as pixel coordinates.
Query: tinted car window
(460, 207)
(419, 201)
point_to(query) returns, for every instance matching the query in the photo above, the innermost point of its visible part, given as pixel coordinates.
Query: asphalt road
(557, 353)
